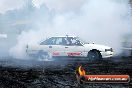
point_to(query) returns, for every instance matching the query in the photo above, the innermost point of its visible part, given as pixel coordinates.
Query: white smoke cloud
(6, 5)
(99, 21)
(38, 3)
(60, 5)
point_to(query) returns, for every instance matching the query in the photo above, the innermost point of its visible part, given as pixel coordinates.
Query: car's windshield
(81, 40)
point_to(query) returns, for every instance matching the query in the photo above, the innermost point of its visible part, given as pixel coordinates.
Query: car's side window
(58, 41)
(70, 41)
(64, 41)
(61, 41)
(73, 42)
(50, 41)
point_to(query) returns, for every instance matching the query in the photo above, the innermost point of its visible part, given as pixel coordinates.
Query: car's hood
(97, 46)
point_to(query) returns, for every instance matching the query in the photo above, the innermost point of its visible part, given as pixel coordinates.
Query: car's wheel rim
(93, 55)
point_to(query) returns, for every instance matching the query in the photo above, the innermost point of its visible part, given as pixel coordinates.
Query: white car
(70, 46)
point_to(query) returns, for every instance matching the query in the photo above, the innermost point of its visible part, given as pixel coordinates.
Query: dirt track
(59, 74)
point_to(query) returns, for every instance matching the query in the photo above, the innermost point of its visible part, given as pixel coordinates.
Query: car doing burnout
(70, 46)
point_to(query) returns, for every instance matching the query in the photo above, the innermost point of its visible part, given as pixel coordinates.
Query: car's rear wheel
(94, 55)
(44, 56)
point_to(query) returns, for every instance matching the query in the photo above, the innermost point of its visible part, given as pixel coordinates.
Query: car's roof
(59, 36)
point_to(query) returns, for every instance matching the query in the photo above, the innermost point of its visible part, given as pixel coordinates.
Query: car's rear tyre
(44, 56)
(94, 55)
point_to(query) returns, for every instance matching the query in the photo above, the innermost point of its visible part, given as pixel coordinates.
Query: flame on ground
(81, 71)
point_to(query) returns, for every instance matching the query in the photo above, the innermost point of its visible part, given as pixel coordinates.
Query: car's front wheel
(94, 55)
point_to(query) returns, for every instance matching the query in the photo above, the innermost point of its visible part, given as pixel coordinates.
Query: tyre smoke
(99, 21)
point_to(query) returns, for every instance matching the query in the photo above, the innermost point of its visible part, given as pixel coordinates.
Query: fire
(81, 71)
(83, 78)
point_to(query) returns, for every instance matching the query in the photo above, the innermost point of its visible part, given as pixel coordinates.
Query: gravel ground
(59, 74)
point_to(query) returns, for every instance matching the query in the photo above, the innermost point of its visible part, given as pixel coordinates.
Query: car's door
(74, 47)
(54, 45)
(58, 48)
(47, 45)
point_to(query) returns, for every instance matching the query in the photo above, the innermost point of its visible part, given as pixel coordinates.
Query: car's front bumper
(107, 54)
